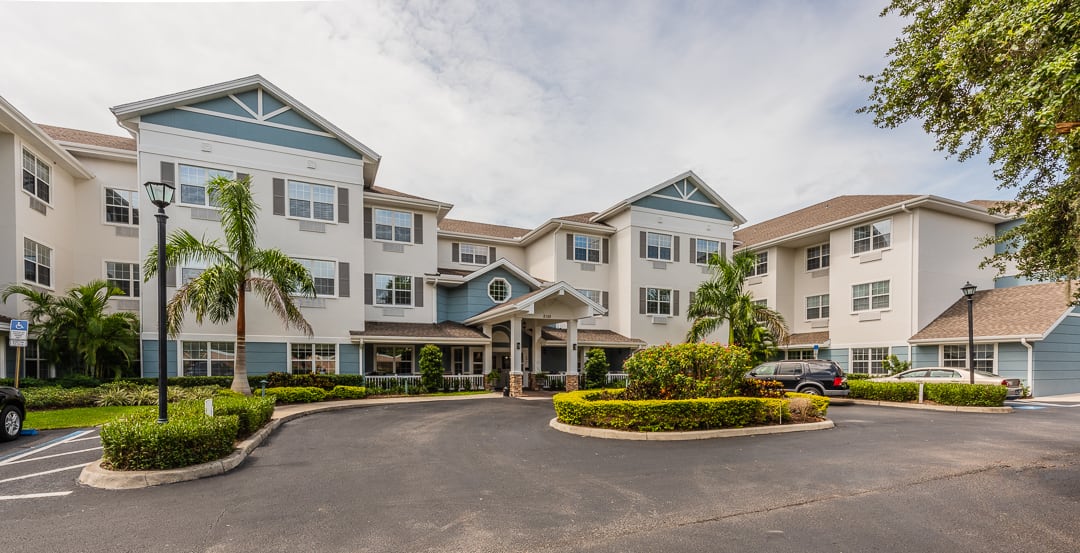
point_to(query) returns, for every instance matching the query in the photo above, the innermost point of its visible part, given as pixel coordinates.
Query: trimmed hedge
(883, 391)
(820, 404)
(967, 395)
(140, 443)
(347, 392)
(251, 412)
(54, 397)
(605, 409)
(296, 395)
(112, 394)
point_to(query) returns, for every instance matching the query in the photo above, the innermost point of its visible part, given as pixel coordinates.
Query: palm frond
(278, 300)
(285, 271)
(183, 247)
(239, 215)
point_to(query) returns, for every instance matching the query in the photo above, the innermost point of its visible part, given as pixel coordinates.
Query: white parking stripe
(25, 476)
(53, 455)
(49, 445)
(33, 495)
(81, 439)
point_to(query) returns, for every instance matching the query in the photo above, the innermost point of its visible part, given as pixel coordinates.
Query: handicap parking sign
(18, 331)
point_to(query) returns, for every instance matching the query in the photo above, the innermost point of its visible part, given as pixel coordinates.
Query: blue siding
(271, 104)
(924, 356)
(250, 99)
(267, 357)
(150, 358)
(224, 105)
(678, 206)
(900, 352)
(1002, 228)
(1057, 360)
(348, 359)
(442, 295)
(255, 132)
(292, 119)
(458, 304)
(838, 355)
(1010, 281)
(1012, 360)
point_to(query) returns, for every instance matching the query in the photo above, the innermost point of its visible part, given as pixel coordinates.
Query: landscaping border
(684, 435)
(928, 407)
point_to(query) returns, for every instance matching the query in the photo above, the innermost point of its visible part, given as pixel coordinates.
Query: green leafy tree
(431, 367)
(722, 299)
(234, 267)
(596, 368)
(77, 329)
(1003, 77)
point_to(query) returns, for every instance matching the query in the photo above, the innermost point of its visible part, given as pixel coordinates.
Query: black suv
(808, 376)
(12, 413)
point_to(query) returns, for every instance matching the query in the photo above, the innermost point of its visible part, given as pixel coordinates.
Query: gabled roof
(525, 303)
(504, 263)
(458, 226)
(32, 134)
(1029, 311)
(387, 195)
(591, 337)
(688, 175)
(132, 110)
(444, 332)
(76, 136)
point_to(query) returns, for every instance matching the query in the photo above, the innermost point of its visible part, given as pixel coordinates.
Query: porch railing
(407, 382)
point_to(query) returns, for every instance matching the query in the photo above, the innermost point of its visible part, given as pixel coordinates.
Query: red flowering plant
(686, 371)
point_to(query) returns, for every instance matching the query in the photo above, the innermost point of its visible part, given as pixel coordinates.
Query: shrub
(302, 380)
(596, 368)
(296, 394)
(25, 382)
(976, 395)
(251, 412)
(892, 365)
(77, 381)
(347, 392)
(140, 443)
(55, 397)
(677, 371)
(431, 367)
(883, 391)
(607, 409)
(819, 405)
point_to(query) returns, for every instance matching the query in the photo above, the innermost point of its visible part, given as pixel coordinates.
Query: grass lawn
(78, 417)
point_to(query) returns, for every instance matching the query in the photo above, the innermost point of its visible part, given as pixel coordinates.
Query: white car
(949, 374)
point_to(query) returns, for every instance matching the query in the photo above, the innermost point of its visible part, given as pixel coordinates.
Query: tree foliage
(1001, 76)
(596, 368)
(431, 367)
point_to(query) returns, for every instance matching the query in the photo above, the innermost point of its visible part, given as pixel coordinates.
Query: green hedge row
(112, 394)
(606, 409)
(274, 380)
(138, 442)
(968, 395)
(312, 394)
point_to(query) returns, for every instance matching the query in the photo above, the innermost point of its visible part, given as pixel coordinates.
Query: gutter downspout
(1030, 365)
(911, 245)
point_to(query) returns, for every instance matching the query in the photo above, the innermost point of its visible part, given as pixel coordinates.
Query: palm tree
(722, 299)
(75, 328)
(235, 267)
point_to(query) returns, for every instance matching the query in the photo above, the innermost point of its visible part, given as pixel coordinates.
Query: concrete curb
(96, 476)
(610, 434)
(928, 407)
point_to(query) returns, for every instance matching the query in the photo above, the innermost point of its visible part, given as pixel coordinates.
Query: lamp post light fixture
(969, 293)
(161, 195)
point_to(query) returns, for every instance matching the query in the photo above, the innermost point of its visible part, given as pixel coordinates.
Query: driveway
(491, 476)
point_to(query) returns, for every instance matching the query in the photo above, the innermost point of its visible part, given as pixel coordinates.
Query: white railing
(612, 378)
(464, 381)
(556, 380)
(409, 382)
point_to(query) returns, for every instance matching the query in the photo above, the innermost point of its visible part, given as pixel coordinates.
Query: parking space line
(33, 495)
(82, 439)
(43, 473)
(47, 445)
(52, 456)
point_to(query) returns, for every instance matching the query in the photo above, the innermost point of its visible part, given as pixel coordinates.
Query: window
(705, 250)
(395, 226)
(876, 236)
(323, 273)
(868, 360)
(393, 359)
(595, 295)
(817, 257)
(457, 360)
(193, 184)
(817, 307)
(761, 265)
(34, 363)
(760, 303)
(587, 248)
(311, 201)
(191, 272)
(956, 356)
(124, 276)
(657, 246)
(800, 354)
(657, 301)
(208, 358)
(477, 360)
(499, 290)
(873, 295)
(473, 254)
(313, 358)
(393, 290)
(121, 206)
(36, 176)
(37, 263)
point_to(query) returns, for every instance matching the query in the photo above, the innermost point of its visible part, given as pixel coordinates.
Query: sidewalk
(1063, 398)
(95, 476)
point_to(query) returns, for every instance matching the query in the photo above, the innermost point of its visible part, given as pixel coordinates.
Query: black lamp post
(161, 195)
(969, 293)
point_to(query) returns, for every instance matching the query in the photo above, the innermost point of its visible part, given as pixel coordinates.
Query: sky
(517, 112)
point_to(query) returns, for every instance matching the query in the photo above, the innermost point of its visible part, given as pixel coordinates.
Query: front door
(501, 362)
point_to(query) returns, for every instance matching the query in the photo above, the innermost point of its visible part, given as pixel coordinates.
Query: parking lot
(46, 465)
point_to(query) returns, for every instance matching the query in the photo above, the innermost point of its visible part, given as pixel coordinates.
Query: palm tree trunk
(240, 380)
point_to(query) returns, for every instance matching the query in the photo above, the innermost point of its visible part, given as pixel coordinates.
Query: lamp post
(161, 195)
(969, 292)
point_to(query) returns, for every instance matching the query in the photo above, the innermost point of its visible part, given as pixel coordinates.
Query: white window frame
(822, 307)
(310, 192)
(134, 281)
(50, 265)
(588, 244)
(375, 359)
(822, 257)
(656, 240)
(375, 211)
(473, 251)
(191, 265)
(475, 360)
(459, 360)
(871, 296)
(876, 239)
(962, 362)
(800, 354)
(655, 306)
(594, 295)
(698, 249)
(211, 174)
(393, 289)
(209, 359)
(313, 361)
(761, 264)
(491, 286)
(132, 209)
(872, 355)
(39, 164)
(309, 264)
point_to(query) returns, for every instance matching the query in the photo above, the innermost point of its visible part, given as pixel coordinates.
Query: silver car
(948, 374)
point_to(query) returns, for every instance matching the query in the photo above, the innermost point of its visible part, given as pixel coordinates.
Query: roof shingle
(806, 339)
(1017, 311)
(446, 329)
(829, 211)
(590, 336)
(481, 229)
(63, 134)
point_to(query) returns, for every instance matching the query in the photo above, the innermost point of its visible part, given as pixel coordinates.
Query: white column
(487, 349)
(515, 345)
(571, 347)
(537, 327)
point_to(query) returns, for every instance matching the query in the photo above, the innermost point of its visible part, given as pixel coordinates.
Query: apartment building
(392, 271)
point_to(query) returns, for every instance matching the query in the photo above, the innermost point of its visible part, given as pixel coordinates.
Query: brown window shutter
(491, 254)
(369, 285)
(675, 249)
(641, 300)
(604, 299)
(279, 196)
(170, 277)
(418, 292)
(168, 172)
(368, 222)
(693, 250)
(641, 249)
(675, 303)
(691, 297)
(723, 250)
(343, 279)
(455, 252)
(604, 250)
(418, 228)
(343, 205)
(570, 246)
